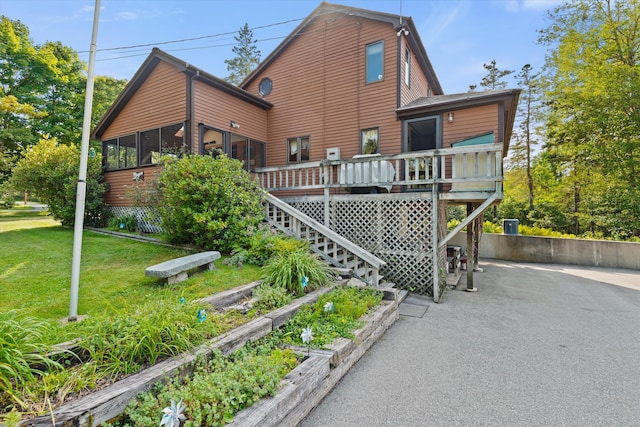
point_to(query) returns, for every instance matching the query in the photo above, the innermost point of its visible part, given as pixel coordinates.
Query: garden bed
(307, 384)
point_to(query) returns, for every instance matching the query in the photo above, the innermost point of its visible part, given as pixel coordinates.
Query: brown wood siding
(215, 108)
(418, 83)
(468, 123)
(160, 101)
(319, 89)
(122, 180)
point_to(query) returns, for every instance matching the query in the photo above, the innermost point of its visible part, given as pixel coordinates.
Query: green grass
(35, 270)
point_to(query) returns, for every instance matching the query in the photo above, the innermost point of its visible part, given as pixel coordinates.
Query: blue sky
(459, 35)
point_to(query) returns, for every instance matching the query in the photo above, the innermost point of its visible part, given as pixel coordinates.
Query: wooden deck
(470, 174)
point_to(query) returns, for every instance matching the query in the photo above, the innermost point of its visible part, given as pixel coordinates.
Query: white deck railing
(470, 168)
(331, 246)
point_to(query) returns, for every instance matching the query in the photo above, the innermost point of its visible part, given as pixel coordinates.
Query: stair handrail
(363, 254)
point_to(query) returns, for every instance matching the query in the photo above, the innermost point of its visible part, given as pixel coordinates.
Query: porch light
(450, 117)
(234, 125)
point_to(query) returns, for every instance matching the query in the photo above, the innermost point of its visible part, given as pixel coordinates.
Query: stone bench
(175, 270)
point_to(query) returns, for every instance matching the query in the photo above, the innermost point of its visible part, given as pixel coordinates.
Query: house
(346, 121)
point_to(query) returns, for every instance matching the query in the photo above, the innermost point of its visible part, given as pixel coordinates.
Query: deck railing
(334, 248)
(470, 168)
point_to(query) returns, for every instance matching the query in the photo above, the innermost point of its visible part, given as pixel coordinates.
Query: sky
(459, 35)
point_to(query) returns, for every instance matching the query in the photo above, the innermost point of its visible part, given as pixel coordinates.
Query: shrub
(124, 223)
(288, 270)
(209, 202)
(50, 171)
(271, 297)
(261, 246)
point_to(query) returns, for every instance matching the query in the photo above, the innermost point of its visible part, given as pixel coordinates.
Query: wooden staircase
(335, 249)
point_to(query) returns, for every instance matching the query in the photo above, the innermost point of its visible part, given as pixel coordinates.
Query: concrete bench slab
(175, 270)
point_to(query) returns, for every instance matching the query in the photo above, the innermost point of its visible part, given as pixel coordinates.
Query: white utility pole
(82, 175)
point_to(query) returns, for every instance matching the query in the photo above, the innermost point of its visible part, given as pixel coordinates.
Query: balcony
(464, 174)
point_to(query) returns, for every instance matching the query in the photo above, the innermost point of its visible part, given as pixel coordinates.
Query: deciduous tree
(593, 122)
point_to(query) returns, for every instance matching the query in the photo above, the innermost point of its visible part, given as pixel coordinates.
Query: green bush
(124, 223)
(49, 171)
(271, 297)
(209, 202)
(288, 270)
(261, 246)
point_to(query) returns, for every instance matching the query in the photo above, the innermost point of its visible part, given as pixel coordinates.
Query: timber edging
(301, 390)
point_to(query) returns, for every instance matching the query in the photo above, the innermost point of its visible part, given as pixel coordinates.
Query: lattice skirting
(397, 228)
(148, 219)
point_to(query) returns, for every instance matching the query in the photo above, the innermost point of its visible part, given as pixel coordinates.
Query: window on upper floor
(369, 141)
(298, 149)
(375, 62)
(407, 67)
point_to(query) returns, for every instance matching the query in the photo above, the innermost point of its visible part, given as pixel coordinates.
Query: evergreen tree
(525, 136)
(494, 78)
(246, 59)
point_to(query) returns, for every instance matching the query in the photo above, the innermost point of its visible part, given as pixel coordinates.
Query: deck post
(327, 217)
(470, 249)
(434, 236)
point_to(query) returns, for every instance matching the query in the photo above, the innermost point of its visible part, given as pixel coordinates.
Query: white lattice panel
(397, 228)
(148, 219)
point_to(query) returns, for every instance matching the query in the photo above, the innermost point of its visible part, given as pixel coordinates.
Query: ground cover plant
(221, 387)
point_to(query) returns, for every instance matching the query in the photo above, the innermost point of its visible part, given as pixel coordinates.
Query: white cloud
(128, 15)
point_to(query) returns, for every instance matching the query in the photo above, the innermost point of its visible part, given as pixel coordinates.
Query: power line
(192, 38)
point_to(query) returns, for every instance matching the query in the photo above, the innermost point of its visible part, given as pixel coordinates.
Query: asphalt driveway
(542, 345)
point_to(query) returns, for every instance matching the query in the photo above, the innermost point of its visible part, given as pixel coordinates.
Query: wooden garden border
(306, 385)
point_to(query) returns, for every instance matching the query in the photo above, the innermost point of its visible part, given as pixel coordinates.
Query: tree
(247, 56)
(49, 170)
(24, 73)
(525, 136)
(493, 79)
(593, 121)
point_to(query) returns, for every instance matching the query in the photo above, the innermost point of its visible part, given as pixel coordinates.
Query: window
(249, 151)
(143, 148)
(120, 153)
(369, 141)
(150, 147)
(211, 140)
(375, 62)
(298, 149)
(265, 86)
(407, 67)
(156, 142)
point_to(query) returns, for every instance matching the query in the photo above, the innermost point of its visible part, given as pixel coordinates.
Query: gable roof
(147, 68)
(324, 8)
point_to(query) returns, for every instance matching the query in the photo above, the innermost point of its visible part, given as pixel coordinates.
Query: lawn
(35, 270)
